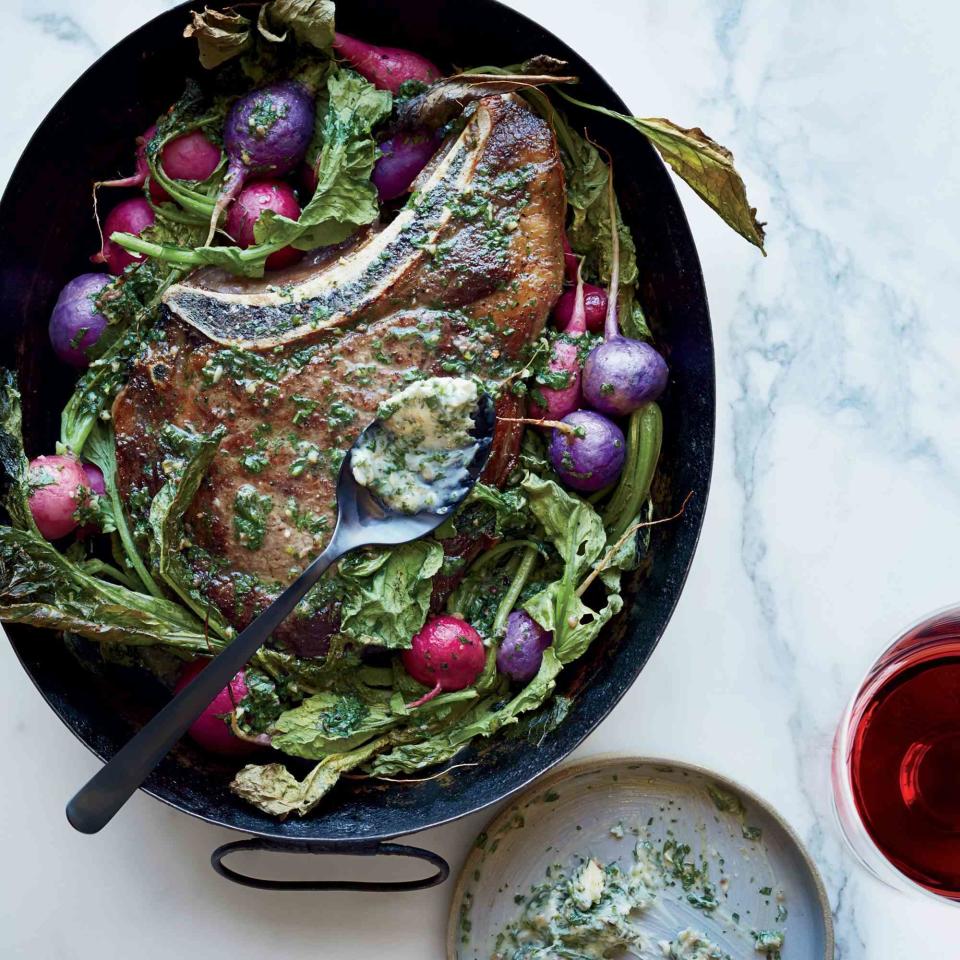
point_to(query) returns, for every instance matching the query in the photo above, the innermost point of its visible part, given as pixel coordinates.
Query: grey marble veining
(835, 509)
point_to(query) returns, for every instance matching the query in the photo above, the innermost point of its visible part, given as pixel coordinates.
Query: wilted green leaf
(387, 606)
(274, 790)
(345, 197)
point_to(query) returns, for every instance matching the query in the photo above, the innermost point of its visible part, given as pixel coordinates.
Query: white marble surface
(835, 510)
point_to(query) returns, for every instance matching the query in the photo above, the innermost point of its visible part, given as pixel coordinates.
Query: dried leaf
(220, 34)
(310, 20)
(702, 162)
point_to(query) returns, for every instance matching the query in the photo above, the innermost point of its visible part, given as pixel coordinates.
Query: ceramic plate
(760, 873)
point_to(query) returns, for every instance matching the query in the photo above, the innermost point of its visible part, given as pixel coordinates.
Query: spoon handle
(108, 790)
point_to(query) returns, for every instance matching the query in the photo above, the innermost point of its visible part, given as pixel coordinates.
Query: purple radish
(267, 132)
(447, 654)
(76, 324)
(128, 216)
(594, 307)
(402, 158)
(95, 481)
(141, 171)
(521, 650)
(385, 67)
(94, 486)
(554, 403)
(587, 450)
(211, 730)
(253, 199)
(57, 483)
(621, 374)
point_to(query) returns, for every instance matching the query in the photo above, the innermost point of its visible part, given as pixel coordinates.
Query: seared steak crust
(295, 370)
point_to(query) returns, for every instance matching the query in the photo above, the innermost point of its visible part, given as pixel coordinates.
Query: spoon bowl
(363, 515)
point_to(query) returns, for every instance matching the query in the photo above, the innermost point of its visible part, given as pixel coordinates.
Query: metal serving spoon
(362, 520)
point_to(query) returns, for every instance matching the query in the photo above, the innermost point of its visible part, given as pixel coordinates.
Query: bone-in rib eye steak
(462, 279)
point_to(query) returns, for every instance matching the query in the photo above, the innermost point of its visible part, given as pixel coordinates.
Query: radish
(594, 307)
(621, 374)
(128, 216)
(447, 654)
(589, 451)
(141, 170)
(557, 402)
(211, 730)
(76, 324)
(267, 132)
(253, 199)
(402, 158)
(521, 650)
(57, 483)
(94, 486)
(191, 156)
(385, 67)
(571, 262)
(96, 483)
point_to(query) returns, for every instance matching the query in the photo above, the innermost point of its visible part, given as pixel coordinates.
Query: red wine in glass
(897, 760)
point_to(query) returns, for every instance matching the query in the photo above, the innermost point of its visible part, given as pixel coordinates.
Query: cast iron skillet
(89, 136)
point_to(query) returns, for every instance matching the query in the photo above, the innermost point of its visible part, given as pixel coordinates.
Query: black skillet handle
(304, 846)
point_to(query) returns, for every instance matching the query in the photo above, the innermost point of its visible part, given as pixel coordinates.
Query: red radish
(142, 170)
(594, 307)
(157, 193)
(253, 199)
(57, 483)
(191, 156)
(128, 216)
(571, 262)
(211, 730)
(557, 402)
(385, 67)
(447, 654)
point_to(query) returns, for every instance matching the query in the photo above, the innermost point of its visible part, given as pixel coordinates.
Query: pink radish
(447, 654)
(141, 171)
(571, 262)
(128, 216)
(57, 483)
(191, 156)
(253, 199)
(594, 307)
(557, 402)
(211, 730)
(385, 67)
